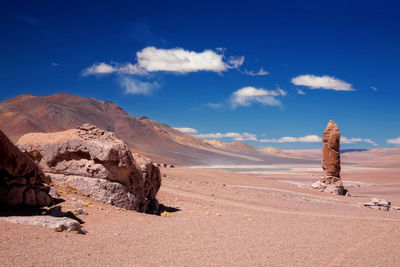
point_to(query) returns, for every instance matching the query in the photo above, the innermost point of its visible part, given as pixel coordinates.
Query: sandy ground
(227, 219)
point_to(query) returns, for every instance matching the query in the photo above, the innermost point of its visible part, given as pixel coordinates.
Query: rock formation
(58, 224)
(378, 204)
(331, 181)
(21, 181)
(96, 163)
(151, 177)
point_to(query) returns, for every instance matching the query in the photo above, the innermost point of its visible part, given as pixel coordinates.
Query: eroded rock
(97, 163)
(151, 175)
(21, 181)
(331, 181)
(103, 190)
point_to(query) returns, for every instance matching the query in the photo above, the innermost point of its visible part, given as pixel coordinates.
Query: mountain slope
(27, 113)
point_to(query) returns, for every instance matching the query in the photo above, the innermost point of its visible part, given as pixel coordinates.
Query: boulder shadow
(163, 208)
(55, 211)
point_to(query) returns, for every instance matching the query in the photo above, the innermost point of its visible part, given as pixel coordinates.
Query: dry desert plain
(222, 218)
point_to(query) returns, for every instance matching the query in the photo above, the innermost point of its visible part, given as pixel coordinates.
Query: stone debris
(80, 211)
(22, 183)
(331, 181)
(379, 204)
(97, 163)
(59, 224)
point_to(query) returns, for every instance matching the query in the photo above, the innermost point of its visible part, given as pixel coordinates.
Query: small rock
(379, 204)
(59, 224)
(53, 193)
(81, 211)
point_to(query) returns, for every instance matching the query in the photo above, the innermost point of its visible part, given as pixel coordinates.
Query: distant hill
(274, 151)
(28, 113)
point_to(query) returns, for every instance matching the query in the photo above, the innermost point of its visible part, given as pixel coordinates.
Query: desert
(215, 214)
(199, 133)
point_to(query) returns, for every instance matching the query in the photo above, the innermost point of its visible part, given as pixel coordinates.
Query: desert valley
(199, 133)
(246, 206)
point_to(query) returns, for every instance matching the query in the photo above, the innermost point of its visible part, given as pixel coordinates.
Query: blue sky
(270, 73)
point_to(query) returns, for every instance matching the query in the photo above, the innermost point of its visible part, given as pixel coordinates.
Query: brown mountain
(27, 113)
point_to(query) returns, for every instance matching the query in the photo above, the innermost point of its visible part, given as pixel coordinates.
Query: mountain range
(162, 143)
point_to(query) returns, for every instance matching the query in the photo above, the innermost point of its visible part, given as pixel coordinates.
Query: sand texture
(223, 218)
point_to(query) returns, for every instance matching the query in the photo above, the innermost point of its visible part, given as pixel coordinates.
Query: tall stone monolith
(331, 181)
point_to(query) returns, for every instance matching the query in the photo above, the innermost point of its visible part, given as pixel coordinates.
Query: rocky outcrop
(331, 181)
(21, 181)
(378, 204)
(95, 162)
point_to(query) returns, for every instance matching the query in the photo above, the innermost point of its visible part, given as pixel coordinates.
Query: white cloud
(317, 139)
(99, 68)
(104, 68)
(186, 130)
(374, 88)
(248, 95)
(152, 59)
(394, 141)
(180, 60)
(54, 64)
(261, 72)
(289, 139)
(136, 87)
(234, 136)
(235, 62)
(300, 92)
(324, 82)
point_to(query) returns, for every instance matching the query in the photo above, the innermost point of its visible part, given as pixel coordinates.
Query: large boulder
(91, 156)
(151, 178)
(331, 181)
(21, 181)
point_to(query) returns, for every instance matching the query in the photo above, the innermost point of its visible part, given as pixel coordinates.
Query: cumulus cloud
(104, 68)
(136, 87)
(261, 72)
(374, 88)
(249, 95)
(99, 68)
(234, 136)
(152, 59)
(316, 139)
(180, 60)
(394, 141)
(186, 130)
(322, 82)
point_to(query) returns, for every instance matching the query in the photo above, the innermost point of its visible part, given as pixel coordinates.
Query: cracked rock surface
(21, 181)
(89, 156)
